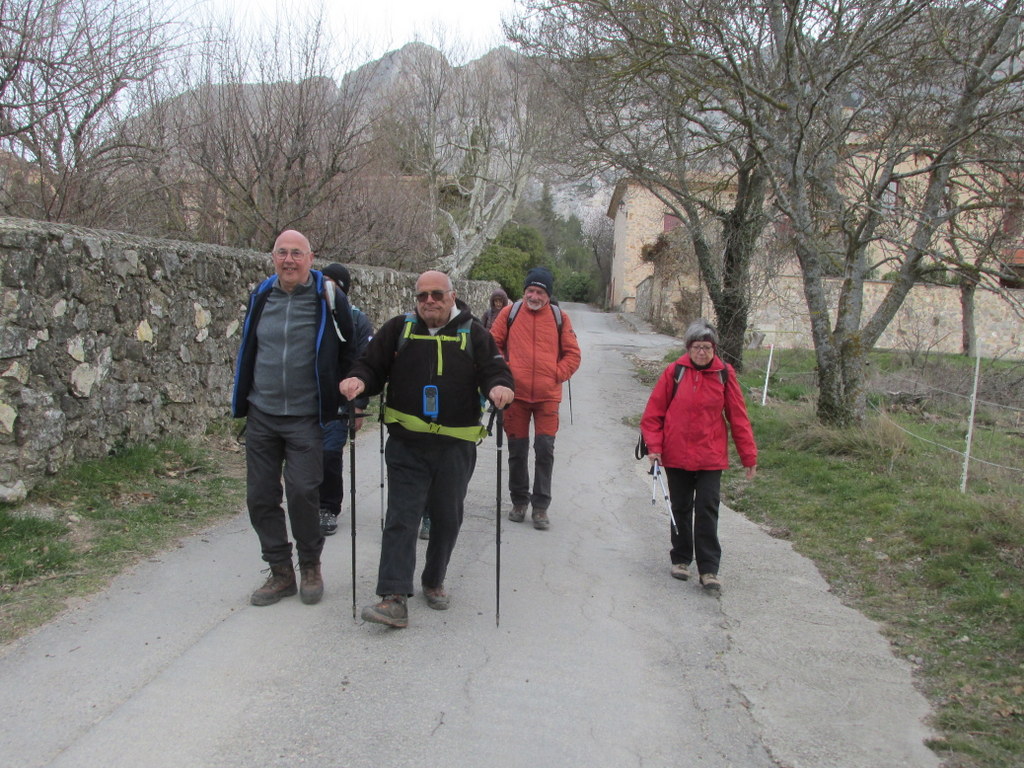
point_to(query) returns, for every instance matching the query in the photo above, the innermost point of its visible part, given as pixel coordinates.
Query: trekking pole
(569, 383)
(656, 471)
(497, 528)
(352, 491)
(380, 418)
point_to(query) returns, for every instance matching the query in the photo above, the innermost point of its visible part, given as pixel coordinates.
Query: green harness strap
(461, 338)
(416, 424)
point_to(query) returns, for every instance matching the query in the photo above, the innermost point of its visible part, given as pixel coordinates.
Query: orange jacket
(532, 351)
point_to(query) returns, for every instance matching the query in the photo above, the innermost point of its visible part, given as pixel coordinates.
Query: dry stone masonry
(109, 340)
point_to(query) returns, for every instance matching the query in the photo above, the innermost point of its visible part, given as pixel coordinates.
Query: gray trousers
(519, 470)
(294, 444)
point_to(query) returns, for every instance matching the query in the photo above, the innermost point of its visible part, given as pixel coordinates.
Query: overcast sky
(383, 25)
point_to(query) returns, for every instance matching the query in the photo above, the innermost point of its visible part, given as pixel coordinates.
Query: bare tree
(880, 113)
(599, 236)
(471, 133)
(69, 71)
(265, 138)
(860, 117)
(635, 111)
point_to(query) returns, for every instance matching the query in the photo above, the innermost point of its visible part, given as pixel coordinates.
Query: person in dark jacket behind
(499, 300)
(332, 488)
(286, 385)
(685, 424)
(436, 362)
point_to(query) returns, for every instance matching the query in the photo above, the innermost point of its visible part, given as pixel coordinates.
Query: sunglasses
(435, 295)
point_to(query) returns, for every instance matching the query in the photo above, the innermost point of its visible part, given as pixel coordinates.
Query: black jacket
(406, 366)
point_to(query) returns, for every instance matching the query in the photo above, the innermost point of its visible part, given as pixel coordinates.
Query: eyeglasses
(281, 254)
(702, 347)
(422, 296)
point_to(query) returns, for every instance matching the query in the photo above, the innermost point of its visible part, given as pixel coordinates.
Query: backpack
(555, 310)
(640, 451)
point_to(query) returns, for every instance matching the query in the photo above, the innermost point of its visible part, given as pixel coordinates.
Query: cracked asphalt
(599, 657)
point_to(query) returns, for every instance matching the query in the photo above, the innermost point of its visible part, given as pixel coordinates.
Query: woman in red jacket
(694, 405)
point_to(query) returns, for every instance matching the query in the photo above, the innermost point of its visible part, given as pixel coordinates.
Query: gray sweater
(284, 379)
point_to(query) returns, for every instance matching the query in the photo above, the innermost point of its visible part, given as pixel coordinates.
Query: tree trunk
(969, 335)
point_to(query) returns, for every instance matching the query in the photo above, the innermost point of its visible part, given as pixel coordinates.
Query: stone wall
(109, 340)
(928, 320)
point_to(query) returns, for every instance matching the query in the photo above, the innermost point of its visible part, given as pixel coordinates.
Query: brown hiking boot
(711, 582)
(540, 519)
(280, 583)
(311, 583)
(437, 598)
(518, 513)
(392, 610)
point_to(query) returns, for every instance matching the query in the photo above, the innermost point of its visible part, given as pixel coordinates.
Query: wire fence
(986, 435)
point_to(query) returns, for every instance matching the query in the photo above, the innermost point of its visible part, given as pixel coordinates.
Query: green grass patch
(879, 509)
(85, 526)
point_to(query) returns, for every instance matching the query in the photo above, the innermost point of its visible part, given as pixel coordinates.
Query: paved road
(600, 658)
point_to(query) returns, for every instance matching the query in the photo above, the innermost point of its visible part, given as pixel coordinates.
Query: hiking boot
(328, 522)
(710, 582)
(311, 583)
(280, 583)
(518, 513)
(437, 598)
(392, 610)
(425, 529)
(680, 571)
(540, 519)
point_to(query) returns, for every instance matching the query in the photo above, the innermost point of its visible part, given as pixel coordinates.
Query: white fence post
(970, 425)
(764, 392)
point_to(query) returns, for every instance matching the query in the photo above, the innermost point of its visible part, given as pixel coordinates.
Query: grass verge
(879, 510)
(78, 531)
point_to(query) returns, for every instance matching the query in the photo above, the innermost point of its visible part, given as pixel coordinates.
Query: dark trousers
(695, 499)
(422, 474)
(517, 427)
(332, 489)
(294, 443)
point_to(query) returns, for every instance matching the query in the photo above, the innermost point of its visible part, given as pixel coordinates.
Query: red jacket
(689, 429)
(532, 351)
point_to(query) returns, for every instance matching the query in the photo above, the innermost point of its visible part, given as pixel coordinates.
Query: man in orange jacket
(537, 339)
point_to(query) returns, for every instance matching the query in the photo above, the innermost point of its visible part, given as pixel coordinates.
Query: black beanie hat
(541, 278)
(339, 274)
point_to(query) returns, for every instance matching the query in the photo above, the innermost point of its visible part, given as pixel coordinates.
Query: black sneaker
(328, 522)
(392, 610)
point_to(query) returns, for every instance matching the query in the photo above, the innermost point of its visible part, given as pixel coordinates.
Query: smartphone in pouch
(430, 404)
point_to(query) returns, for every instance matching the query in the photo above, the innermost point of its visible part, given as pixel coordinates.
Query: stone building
(654, 274)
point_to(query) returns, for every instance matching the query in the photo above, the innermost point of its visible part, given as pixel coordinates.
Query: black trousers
(695, 498)
(430, 474)
(293, 444)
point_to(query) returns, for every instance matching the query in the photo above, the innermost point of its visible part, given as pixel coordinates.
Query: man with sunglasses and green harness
(436, 363)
